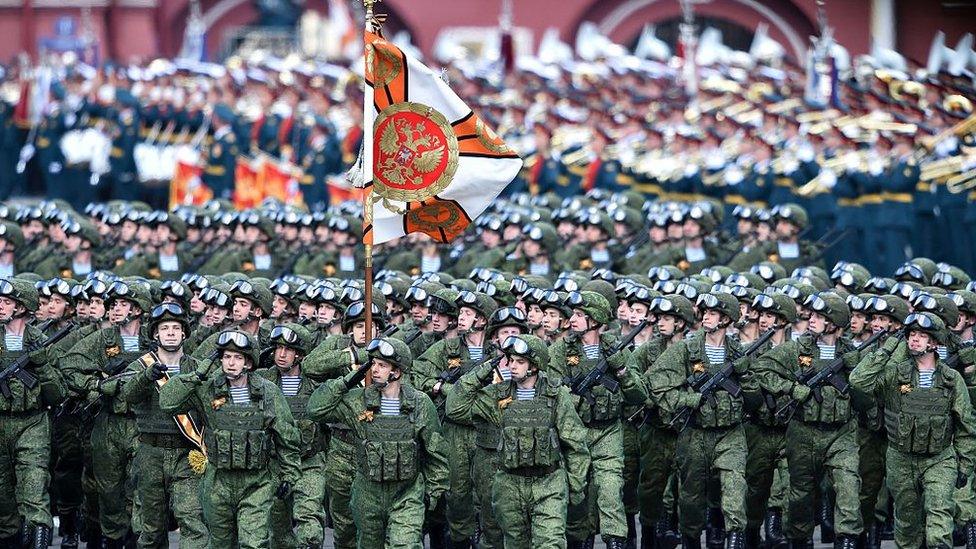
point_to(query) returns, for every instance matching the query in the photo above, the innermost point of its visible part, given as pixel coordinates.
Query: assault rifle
(583, 383)
(454, 374)
(816, 379)
(289, 265)
(707, 384)
(18, 368)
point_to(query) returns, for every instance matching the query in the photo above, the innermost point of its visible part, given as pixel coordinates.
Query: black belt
(533, 471)
(345, 435)
(165, 440)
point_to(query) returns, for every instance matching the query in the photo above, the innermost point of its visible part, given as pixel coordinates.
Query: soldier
(575, 355)
(252, 304)
(94, 368)
(167, 481)
(531, 410)
(789, 251)
(249, 435)
(222, 153)
(821, 440)
(168, 262)
(403, 460)
(714, 444)
(306, 509)
(78, 258)
(11, 249)
(25, 426)
(933, 456)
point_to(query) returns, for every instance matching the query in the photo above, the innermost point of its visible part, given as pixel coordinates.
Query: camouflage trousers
(388, 514)
(304, 508)
(114, 438)
(25, 448)
(703, 454)
(67, 461)
(166, 483)
(765, 449)
(922, 487)
(815, 452)
(531, 510)
(237, 507)
(460, 505)
(340, 470)
(656, 467)
(484, 465)
(871, 468)
(602, 508)
(632, 455)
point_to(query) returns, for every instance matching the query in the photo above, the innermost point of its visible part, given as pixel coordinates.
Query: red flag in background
(247, 191)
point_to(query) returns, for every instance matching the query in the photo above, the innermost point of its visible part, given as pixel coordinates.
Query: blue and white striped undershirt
(539, 269)
(505, 373)
(13, 342)
(240, 395)
(130, 343)
(430, 264)
(591, 352)
(827, 352)
(169, 263)
(942, 351)
(389, 406)
(290, 385)
(715, 354)
(476, 353)
(172, 369)
(599, 256)
(925, 378)
(524, 394)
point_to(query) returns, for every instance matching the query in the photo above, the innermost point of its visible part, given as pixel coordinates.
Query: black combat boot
(736, 540)
(887, 530)
(753, 540)
(68, 529)
(648, 537)
(465, 544)
(109, 543)
(826, 519)
(438, 536)
(773, 527)
(800, 543)
(588, 542)
(41, 537)
(631, 532)
(714, 528)
(615, 542)
(845, 541)
(871, 538)
(971, 534)
(689, 542)
(574, 543)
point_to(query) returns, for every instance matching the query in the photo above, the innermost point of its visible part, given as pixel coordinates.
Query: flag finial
(374, 21)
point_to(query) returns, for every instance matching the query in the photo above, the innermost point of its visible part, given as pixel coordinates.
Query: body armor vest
(836, 407)
(22, 399)
(313, 436)
(919, 421)
(528, 431)
(727, 410)
(389, 448)
(236, 436)
(607, 406)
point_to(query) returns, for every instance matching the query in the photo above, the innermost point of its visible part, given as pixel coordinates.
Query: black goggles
(487, 288)
(925, 302)
(283, 334)
(877, 284)
(783, 212)
(172, 309)
(350, 294)
(505, 313)
(737, 279)
(742, 212)
(659, 273)
(515, 345)
(56, 286)
(844, 278)
(173, 288)
(195, 281)
(532, 232)
(385, 288)
(381, 347)
(919, 319)
(711, 274)
(902, 289)
(944, 279)
(235, 339)
(6, 288)
(665, 286)
(119, 289)
(640, 294)
(687, 290)
(519, 285)
(213, 296)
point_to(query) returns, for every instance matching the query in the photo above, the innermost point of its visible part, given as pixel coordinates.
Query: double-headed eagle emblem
(409, 153)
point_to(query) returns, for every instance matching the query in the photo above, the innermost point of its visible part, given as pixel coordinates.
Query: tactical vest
(150, 419)
(22, 399)
(836, 407)
(236, 435)
(455, 356)
(313, 436)
(727, 411)
(529, 439)
(607, 406)
(919, 421)
(389, 448)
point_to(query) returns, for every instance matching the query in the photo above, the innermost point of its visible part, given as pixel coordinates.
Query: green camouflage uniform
(25, 440)
(165, 481)
(931, 437)
(603, 505)
(114, 436)
(245, 444)
(530, 488)
(401, 461)
(715, 444)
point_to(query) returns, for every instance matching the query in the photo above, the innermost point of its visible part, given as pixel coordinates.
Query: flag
(247, 191)
(431, 165)
(276, 181)
(340, 191)
(344, 32)
(186, 188)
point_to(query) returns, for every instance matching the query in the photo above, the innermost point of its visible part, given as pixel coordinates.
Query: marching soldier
(221, 161)
(166, 475)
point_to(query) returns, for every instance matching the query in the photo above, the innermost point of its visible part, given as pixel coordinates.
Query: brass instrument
(817, 116)
(715, 104)
(962, 182)
(961, 128)
(816, 185)
(942, 167)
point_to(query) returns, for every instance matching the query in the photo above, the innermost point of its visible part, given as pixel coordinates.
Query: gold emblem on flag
(415, 154)
(383, 63)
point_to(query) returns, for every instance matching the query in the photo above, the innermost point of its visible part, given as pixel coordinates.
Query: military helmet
(833, 307)
(506, 316)
(603, 288)
(543, 233)
(391, 350)
(12, 234)
(911, 272)
(529, 346)
(242, 342)
(479, 302)
(256, 291)
(356, 312)
(792, 213)
(702, 215)
(177, 290)
(592, 303)
(675, 305)
(947, 309)
(927, 322)
(723, 303)
(443, 302)
(21, 291)
(776, 303)
(57, 286)
(892, 306)
(950, 278)
(965, 301)
(291, 335)
(132, 291)
(768, 271)
(168, 312)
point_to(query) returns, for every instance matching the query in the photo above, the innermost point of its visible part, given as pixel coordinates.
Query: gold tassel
(198, 461)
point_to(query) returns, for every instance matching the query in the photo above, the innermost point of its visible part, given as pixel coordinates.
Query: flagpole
(368, 195)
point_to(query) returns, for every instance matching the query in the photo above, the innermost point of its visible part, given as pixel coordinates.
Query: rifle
(454, 374)
(17, 368)
(707, 384)
(583, 383)
(815, 380)
(289, 265)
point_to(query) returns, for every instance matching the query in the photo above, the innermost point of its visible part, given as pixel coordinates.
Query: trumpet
(962, 182)
(936, 169)
(960, 129)
(817, 185)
